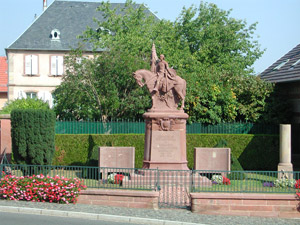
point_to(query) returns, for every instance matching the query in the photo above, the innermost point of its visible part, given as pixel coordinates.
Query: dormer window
(294, 64)
(55, 34)
(281, 64)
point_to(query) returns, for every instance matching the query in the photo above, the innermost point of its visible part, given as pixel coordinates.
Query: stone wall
(246, 204)
(120, 198)
(5, 136)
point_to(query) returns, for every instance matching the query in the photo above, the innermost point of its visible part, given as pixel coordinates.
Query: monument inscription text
(165, 146)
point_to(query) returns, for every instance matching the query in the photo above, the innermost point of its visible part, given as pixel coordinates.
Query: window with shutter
(28, 64)
(34, 66)
(31, 64)
(53, 65)
(57, 65)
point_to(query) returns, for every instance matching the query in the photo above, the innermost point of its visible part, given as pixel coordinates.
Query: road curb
(91, 216)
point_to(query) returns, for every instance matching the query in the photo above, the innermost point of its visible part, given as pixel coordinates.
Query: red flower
(297, 184)
(40, 188)
(226, 181)
(118, 178)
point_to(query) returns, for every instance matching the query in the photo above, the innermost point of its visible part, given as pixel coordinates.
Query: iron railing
(138, 127)
(168, 180)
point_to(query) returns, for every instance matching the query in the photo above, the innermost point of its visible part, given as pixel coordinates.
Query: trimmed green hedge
(32, 134)
(254, 152)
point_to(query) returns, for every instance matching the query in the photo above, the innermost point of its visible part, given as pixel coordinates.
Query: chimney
(44, 5)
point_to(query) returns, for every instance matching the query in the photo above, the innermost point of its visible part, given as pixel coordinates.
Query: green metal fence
(246, 181)
(174, 186)
(138, 127)
(99, 127)
(154, 179)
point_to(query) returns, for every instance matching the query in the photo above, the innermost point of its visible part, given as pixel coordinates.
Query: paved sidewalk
(141, 216)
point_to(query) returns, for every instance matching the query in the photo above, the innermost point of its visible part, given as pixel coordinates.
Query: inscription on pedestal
(165, 146)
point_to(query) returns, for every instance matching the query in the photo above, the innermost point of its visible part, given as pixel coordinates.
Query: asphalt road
(29, 219)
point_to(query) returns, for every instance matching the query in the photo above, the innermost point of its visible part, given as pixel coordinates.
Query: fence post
(192, 181)
(1, 170)
(157, 181)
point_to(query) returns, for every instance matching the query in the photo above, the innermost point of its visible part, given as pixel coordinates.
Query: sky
(277, 31)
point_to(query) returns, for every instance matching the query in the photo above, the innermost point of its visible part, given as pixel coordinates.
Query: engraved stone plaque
(165, 146)
(117, 157)
(212, 159)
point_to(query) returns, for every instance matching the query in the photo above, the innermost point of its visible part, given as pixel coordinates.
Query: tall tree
(210, 50)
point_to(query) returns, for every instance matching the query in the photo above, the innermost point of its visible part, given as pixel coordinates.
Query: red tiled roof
(3, 74)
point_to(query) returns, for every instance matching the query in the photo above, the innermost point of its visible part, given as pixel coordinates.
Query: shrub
(93, 157)
(29, 103)
(234, 164)
(33, 136)
(253, 152)
(90, 173)
(40, 188)
(83, 149)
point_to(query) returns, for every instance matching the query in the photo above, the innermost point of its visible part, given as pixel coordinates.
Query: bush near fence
(254, 152)
(32, 136)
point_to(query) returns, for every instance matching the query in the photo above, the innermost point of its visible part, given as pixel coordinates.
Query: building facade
(3, 81)
(36, 58)
(285, 73)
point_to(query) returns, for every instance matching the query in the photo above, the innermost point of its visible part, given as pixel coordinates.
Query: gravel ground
(181, 215)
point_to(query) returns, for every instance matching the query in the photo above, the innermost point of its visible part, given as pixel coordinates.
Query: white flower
(284, 182)
(217, 178)
(111, 178)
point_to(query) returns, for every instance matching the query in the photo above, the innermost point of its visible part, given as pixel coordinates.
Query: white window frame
(31, 65)
(56, 65)
(31, 94)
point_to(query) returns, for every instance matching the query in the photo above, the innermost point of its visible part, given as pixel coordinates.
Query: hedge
(254, 152)
(32, 133)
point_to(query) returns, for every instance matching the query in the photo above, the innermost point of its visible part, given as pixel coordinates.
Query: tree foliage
(213, 52)
(28, 103)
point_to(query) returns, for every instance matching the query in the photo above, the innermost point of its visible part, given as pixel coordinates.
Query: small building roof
(286, 69)
(59, 25)
(3, 74)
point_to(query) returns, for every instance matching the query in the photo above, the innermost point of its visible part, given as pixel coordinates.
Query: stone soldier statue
(164, 74)
(167, 89)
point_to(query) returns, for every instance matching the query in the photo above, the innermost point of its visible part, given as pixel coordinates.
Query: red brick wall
(246, 204)
(120, 198)
(5, 135)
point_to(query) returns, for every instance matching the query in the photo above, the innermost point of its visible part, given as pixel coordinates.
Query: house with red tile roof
(3, 81)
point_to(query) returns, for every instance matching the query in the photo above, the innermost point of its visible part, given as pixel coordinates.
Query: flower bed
(115, 178)
(283, 183)
(218, 179)
(41, 188)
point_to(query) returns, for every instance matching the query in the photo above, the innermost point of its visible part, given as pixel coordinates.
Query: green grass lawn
(252, 183)
(246, 186)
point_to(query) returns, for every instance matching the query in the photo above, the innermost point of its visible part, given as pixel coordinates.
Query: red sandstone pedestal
(165, 140)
